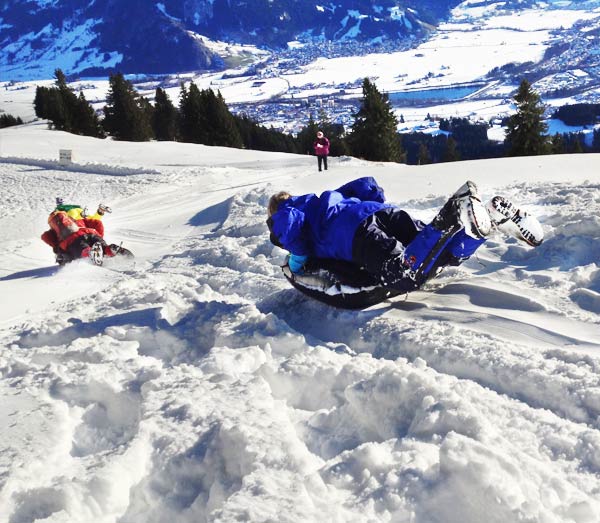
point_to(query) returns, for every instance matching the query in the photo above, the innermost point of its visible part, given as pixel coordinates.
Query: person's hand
(296, 263)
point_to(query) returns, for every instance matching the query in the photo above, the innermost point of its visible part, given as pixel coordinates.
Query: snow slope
(196, 385)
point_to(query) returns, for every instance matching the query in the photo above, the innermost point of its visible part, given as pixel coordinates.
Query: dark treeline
(578, 114)
(67, 111)
(8, 120)
(526, 134)
(461, 140)
(202, 116)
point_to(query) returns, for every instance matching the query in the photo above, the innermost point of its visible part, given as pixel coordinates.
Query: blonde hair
(276, 199)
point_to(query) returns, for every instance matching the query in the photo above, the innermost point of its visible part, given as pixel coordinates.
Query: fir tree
(578, 144)
(64, 109)
(525, 134)
(52, 103)
(86, 120)
(193, 126)
(451, 153)
(596, 140)
(126, 114)
(148, 114)
(8, 120)
(164, 119)
(65, 120)
(307, 136)
(424, 157)
(574, 143)
(255, 136)
(222, 129)
(334, 133)
(40, 102)
(374, 132)
(205, 118)
(557, 144)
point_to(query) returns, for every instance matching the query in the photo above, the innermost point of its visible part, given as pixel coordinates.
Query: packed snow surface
(196, 385)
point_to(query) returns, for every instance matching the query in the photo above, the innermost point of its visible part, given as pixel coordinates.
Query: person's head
(320, 134)
(276, 199)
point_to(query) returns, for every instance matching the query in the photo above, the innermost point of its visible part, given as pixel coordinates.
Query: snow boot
(510, 220)
(462, 212)
(62, 258)
(103, 209)
(464, 207)
(96, 253)
(117, 250)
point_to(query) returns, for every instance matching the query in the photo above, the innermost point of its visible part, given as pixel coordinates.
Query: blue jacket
(324, 226)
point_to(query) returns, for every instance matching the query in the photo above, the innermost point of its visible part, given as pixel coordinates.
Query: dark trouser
(386, 242)
(87, 240)
(379, 244)
(322, 160)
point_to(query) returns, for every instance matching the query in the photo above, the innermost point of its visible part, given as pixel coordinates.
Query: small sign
(65, 156)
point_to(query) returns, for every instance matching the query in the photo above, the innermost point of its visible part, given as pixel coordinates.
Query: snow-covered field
(196, 385)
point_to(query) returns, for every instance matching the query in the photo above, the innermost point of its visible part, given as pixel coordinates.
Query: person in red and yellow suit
(72, 233)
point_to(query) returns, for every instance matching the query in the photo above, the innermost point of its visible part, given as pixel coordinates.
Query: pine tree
(86, 121)
(65, 119)
(8, 120)
(205, 118)
(450, 154)
(525, 134)
(65, 110)
(183, 126)
(334, 133)
(374, 132)
(125, 114)
(423, 157)
(148, 114)
(222, 128)
(164, 119)
(307, 136)
(578, 144)
(596, 140)
(258, 137)
(193, 126)
(52, 103)
(557, 144)
(40, 102)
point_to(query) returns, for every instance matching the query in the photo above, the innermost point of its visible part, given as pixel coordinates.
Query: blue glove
(296, 263)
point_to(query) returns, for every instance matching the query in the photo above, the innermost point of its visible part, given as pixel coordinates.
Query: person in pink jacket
(321, 147)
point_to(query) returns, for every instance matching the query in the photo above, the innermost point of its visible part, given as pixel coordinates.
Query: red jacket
(64, 230)
(321, 146)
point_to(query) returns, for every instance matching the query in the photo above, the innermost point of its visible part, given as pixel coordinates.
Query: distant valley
(435, 58)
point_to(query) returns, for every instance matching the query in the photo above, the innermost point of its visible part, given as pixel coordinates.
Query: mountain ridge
(95, 37)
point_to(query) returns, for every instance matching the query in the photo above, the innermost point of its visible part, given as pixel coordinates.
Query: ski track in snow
(196, 385)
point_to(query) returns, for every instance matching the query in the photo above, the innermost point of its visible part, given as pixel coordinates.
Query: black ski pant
(379, 243)
(77, 247)
(322, 161)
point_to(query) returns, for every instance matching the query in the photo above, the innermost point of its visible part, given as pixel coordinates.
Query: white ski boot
(509, 219)
(97, 253)
(465, 208)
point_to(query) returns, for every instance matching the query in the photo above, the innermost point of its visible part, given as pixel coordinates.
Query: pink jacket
(321, 146)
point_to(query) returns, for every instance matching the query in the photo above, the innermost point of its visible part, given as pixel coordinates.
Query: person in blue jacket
(354, 223)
